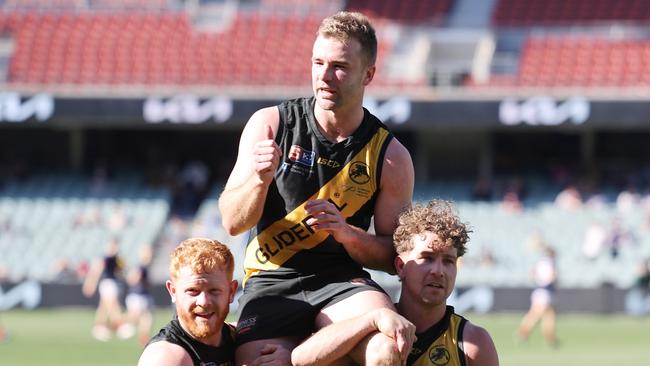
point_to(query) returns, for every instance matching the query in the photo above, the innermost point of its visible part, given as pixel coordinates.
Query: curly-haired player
(429, 240)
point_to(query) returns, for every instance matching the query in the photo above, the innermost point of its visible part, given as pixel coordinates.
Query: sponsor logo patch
(301, 156)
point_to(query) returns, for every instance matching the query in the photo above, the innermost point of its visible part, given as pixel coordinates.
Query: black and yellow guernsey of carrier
(347, 173)
(440, 345)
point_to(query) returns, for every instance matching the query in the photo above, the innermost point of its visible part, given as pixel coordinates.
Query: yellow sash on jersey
(443, 351)
(349, 190)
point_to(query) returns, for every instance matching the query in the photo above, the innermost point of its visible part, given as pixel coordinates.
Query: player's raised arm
(242, 200)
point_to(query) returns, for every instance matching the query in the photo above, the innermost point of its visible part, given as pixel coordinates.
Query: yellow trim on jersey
(444, 351)
(349, 190)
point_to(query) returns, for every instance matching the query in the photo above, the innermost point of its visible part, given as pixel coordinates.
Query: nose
(202, 299)
(436, 267)
(324, 72)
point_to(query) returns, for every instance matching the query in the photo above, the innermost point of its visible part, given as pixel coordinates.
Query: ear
(399, 266)
(370, 74)
(171, 289)
(233, 290)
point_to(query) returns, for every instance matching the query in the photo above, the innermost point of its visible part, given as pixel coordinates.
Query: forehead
(330, 47)
(186, 276)
(428, 242)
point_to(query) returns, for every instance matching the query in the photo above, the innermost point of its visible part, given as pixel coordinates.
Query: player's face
(428, 272)
(339, 73)
(202, 301)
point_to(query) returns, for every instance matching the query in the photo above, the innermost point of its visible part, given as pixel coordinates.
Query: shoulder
(265, 115)
(254, 130)
(398, 163)
(164, 353)
(479, 346)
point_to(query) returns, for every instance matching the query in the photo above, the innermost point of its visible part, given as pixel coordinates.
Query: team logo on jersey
(301, 156)
(439, 355)
(359, 172)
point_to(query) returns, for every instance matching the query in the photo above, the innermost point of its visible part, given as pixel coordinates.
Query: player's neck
(337, 125)
(422, 315)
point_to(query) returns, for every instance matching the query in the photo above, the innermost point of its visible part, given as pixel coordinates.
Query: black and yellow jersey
(440, 345)
(347, 173)
(201, 353)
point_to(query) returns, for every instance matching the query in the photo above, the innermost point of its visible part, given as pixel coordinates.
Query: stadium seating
(563, 12)
(409, 11)
(52, 217)
(158, 49)
(578, 61)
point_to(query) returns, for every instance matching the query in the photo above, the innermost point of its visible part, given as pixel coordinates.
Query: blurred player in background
(542, 299)
(202, 288)
(309, 175)
(3, 333)
(139, 302)
(429, 240)
(105, 276)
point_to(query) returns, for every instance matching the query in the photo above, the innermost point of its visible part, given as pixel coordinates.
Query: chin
(204, 330)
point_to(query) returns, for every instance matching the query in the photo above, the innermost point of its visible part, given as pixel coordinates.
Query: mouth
(205, 316)
(327, 91)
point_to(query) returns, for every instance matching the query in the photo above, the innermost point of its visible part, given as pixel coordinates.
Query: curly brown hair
(202, 255)
(346, 25)
(438, 217)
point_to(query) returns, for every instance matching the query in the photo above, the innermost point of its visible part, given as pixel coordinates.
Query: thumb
(268, 131)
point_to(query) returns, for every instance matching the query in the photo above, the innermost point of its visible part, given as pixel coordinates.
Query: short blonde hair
(202, 255)
(346, 25)
(438, 217)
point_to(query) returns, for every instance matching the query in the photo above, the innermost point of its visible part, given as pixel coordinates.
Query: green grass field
(62, 337)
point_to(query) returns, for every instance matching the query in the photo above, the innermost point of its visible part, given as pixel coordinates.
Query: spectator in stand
(64, 273)
(595, 239)
(482, 189)
(511, 202)
(617, 237)
(628, 199)
(569, 198)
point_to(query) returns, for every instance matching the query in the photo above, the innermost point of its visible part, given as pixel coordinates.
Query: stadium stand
(530, 45)
(51, 217)
(161, 48)
(560, 12)
(410, 11)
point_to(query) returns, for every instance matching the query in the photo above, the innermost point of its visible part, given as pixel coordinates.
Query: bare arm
(338, 339)
(164, 354)
(395, 194)
(242, 200)
(479, 347)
